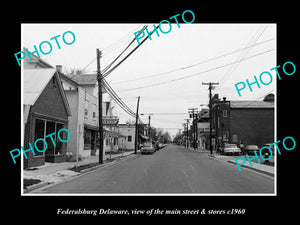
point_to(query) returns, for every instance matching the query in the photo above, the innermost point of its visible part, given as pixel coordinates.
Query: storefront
(46, 111)
(90, 140)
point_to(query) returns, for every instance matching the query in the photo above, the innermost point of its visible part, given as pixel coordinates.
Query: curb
(108, 163)
(244, 166)
(43, 185)
(35, 186)
(252, 168)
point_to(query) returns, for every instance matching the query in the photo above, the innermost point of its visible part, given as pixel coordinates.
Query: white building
(128, 131)
(81, 91)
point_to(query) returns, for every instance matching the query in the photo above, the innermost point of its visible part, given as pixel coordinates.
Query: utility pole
(136, 127)
(99, 79)
(193, 115)
(187, 132)
(149, 117)
(210, 113)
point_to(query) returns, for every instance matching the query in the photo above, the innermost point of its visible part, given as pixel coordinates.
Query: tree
(178, 139)
(73, 72)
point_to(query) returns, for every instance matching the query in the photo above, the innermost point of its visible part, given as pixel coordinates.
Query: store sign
(110, 120)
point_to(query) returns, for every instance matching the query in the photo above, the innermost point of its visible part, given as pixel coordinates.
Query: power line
(120, 42)
(106, 74)
(195, 74)
(133, 40)
(117, 99)
(231, 69)
(196, 64)
(112, 47)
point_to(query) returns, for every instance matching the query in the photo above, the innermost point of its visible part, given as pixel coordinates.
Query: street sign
(110, 120)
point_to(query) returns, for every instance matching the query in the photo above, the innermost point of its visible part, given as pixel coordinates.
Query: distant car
(231, 149)
(147, 148)
(249, 149)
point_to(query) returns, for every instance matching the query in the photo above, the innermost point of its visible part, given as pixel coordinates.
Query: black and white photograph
(204, 104)
(170, 113)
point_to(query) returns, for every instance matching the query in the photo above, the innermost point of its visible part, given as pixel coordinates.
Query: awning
(144, 137)
(91, 127)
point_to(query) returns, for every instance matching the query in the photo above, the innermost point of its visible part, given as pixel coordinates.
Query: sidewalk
(260, 167)
(57, 172)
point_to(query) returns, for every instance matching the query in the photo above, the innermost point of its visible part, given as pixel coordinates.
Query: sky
(167, 72)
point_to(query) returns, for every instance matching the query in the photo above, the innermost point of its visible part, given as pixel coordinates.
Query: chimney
(224, 99)
(59, 68)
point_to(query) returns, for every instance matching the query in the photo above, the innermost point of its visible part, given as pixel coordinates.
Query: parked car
(249, 149)
(231, 149)
(266, 151)
(147, 148)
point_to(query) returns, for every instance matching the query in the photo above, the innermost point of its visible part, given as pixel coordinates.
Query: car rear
(147, 148)
(231, 149)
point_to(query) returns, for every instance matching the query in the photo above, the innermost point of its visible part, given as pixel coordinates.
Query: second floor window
(225, 113)
(86, 106)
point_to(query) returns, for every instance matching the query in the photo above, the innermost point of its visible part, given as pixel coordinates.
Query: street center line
(184, 173)
(146, 172)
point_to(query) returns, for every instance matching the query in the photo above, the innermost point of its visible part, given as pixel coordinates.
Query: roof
(85, 79)
(34, 83)
(36, 60)
(251, 104)
(112, 133)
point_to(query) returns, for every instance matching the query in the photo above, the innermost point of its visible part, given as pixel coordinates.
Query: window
(224, 113)
(50, 128)
(39, 133)
(129, 138)
(58, 143)
(86, 111)
(94, 111)
(44, 128)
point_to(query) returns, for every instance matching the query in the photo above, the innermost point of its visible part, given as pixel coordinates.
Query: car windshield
(230, 145)
(148, 144)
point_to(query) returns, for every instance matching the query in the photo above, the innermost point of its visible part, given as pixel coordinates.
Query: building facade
(81, 91)
(46, 110)
(246, 122)
(128, 131)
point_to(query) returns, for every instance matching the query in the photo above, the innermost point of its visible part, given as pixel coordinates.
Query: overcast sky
(194, 52)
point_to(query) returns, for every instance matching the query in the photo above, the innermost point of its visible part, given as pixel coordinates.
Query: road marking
(192, 167)
(146, 172)
(187, 182)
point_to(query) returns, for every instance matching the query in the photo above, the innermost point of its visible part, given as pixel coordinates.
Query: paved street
(170, 170)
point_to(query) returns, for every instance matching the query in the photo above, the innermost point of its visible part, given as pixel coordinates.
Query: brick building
(247, 122)
(46, 110)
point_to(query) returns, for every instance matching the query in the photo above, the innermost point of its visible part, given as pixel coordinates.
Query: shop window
(50, 128)
(39, 133)
(58, 143)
